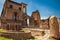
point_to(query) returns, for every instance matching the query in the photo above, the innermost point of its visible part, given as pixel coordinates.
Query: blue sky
(46, 7)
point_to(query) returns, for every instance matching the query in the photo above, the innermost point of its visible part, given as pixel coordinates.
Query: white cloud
(44, 17)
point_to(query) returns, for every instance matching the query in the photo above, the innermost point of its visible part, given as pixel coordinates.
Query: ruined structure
(54, 27)
(14, 17)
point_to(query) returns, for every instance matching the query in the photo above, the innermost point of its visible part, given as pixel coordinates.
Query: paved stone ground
(45, 37)
(37, 29)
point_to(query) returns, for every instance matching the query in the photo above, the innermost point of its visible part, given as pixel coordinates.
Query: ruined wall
(59, 23)
(16, 35)
(9, 9)
(31, 23)
(12, 9)
(11, 24)
(12, 15)
(59, 26)
(0, 22)
(54, 27)
(44, 24)
(36, 16)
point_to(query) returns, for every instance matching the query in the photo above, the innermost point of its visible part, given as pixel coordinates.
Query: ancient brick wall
(0, 22)
(11, 8)
(9, 12)
(12, 14)
(16, 35)
(59, 34)
(44, 24)
(36, 16)
(59, 27)
(31, 23)
(59, 23)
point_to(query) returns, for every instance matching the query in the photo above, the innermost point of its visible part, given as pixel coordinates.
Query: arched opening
(17, 27)
(7, 27)
(28, 22)
(15, 16)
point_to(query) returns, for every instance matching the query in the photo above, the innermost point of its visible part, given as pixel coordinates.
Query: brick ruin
(54, 27)
(14, 17)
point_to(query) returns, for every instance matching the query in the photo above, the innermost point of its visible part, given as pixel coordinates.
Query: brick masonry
(16, 35)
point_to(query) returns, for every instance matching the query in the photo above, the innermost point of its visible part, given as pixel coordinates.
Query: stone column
(54, 27)
(26, 10)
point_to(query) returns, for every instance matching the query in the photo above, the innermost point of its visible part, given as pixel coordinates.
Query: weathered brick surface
(16, 35)
(44, 24)
(36, 17)
(54, 27)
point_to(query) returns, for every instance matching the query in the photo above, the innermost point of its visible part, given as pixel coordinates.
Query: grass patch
(25, 30)
(2, 30)
(3, 38)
